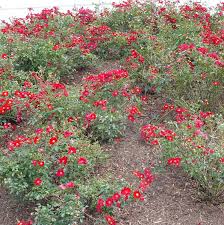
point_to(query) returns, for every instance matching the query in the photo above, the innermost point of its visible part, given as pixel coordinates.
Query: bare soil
(11, 210)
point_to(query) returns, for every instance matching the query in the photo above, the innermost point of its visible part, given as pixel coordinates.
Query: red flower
(131, 118)
(110, 220)
(49, 106)
(174, 161)
(144, 98)
(141, 59)
(85, 93)
(49, 128)
(71, 150)
(68, 134)
(82, 161)
(5, 93)
(216, 83)
(67, 185)
(70, 184)
(154, 142)
(34, 162)
(56, 47)
(203, 50)
(126, 191)
(118, 204)
(222, 160)
(134, 53)
(115, 93)
(4, 56)
(53, 140)
(137, 194)
(70, 119)
(90, 116)
(198, 123)
(41, 163)
(165, 107)
(63, 160)
(213, 55)
(37, 181)
(116, 197)
(23, 222)
(109, 202)
(100, 205)
(60, 173)
(134, 110)
(36, 139)
(169, 138)
(17, 143)
(219, 63)
(184, 47)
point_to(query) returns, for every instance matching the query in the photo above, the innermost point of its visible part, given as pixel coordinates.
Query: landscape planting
(74, 85)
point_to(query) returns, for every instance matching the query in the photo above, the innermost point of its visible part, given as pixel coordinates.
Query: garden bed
(113, 118)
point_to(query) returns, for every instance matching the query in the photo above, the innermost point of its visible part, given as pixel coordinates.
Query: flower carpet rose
(52, 130)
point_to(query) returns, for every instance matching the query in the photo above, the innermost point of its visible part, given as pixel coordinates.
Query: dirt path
(11, 210)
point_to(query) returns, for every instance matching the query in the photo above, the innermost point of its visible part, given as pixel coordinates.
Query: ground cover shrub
(109, 95)
(51, 167)
(193, 142)
(185, 55)
(16, 91)
(113, 46)
(128, 16)
(51, 41)
(125, 195)
(93, 107)
(26, 100)
(126, 23)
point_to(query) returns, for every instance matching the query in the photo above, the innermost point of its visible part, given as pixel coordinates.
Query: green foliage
(198, 143)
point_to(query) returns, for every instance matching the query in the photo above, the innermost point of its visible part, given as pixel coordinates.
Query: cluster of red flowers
(107, 77)
(99, 30)
(6, 104)
(133, 37)
(25, 99)
(124, 4)
(131, 60)
(133, 111)
(152, 133)
(174, 161)
(19, 141)
(90, 117)
(101, 103)
(204, 51)
(24, 222)
(86, 15)
(67, 185)
(146, 178)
